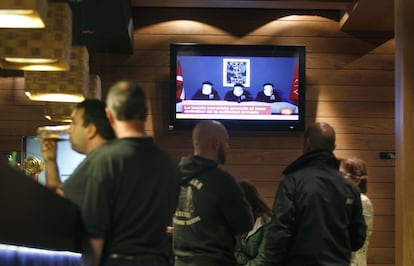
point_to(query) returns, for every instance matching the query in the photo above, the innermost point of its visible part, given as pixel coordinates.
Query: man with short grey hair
(133, 189)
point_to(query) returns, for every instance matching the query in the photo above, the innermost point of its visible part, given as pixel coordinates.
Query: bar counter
(32, 216)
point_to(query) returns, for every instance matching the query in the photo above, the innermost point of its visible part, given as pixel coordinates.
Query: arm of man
(235, 207)
(358, 227)
(92, 251)
(49, 151)
(96, 213)
(280, 229)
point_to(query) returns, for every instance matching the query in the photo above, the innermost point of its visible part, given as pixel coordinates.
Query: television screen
(252, 87)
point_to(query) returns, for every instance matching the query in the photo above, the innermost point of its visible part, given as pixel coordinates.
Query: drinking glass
(56, 133)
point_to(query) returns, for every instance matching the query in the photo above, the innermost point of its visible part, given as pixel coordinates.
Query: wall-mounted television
(246, 87)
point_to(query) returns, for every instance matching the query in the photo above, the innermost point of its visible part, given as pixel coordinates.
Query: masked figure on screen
(238, 94)
(206, 92)
(268, 94)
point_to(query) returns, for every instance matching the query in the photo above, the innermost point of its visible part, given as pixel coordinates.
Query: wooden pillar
(404, 132)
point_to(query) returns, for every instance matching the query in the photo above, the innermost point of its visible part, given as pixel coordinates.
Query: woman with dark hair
(354, 170)
(250, 246)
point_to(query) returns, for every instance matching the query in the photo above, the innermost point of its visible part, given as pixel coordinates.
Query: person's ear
(110, 116)
(307, 144)
(92, 131)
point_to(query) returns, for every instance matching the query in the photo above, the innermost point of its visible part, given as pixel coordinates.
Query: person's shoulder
(162, 151)
(223, 176)
(350, 186)
(100, 152)
(365, 199)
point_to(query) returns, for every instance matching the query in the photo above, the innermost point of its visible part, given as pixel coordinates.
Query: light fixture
(45, 49)
(23, 13)
(61, 112)
(60, 86)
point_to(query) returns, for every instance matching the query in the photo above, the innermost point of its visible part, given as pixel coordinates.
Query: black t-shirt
(74, 186)
(130, 196)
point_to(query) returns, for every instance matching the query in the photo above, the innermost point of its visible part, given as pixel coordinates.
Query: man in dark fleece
(212, 209)
(317, 214)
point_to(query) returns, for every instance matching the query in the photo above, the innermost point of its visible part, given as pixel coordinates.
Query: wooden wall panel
(350, 84)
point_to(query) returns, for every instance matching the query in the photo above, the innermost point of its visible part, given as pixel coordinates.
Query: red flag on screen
(180, 93)
(294, 89)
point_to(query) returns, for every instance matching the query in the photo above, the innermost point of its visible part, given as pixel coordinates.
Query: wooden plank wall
(18, 115)
(350, 84)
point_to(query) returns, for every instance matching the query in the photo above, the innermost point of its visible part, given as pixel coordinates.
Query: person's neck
(129, 129)
(206, 155)
(94, 144)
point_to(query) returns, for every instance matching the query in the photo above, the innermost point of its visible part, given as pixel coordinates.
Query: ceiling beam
(369, 15)
(282, 4)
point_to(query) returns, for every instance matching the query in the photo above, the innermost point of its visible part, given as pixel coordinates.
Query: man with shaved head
(317, 214)
(212, 210)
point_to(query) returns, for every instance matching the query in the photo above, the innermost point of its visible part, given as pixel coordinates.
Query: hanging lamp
(45, 49)
(60, 86)
(23, 13)
(61, 112)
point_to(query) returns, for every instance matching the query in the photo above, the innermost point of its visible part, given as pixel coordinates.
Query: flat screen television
(246, 87)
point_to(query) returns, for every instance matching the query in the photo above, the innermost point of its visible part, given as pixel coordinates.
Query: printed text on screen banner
(226, 109)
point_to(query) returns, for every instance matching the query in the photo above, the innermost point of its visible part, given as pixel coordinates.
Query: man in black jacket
(212, 209)
(238, 94)
(317, 214)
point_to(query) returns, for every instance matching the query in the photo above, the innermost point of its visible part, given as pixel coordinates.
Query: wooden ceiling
(356, 15)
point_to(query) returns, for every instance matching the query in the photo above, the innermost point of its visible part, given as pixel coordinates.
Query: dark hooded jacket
(211, 212)
(317, 215)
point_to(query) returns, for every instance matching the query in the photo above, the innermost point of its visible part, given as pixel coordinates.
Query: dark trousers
(138, 261)
(200, 262)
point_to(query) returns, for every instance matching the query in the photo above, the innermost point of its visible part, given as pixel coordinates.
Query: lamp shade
(45, 49)
(59, 112)
(23, 13)
(60, 86)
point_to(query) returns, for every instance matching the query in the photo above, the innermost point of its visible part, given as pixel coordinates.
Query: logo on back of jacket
(185, 213)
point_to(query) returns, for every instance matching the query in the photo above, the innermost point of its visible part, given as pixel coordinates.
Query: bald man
(211, 209)
(317, 214)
